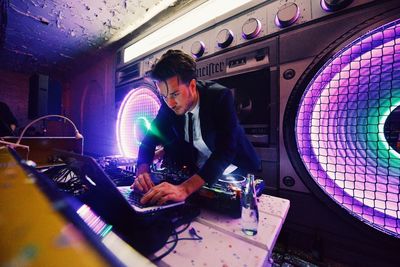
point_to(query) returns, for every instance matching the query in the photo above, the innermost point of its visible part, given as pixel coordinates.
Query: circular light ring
(340, 128)
(137, 111)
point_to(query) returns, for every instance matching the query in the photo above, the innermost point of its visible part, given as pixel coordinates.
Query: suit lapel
(180, 126)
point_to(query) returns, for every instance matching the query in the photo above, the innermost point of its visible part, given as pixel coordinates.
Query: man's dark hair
(174, 63)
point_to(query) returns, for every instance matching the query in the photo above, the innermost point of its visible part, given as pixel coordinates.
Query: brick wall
(14, 91)
(88, 100)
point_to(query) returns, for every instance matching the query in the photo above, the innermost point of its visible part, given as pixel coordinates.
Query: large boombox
(316, 84)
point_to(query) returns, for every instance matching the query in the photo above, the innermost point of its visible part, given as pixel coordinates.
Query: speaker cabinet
(44, 96)
(54, 97)
(333, 113)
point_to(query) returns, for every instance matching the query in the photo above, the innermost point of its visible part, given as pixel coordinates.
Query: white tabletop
(224, 243)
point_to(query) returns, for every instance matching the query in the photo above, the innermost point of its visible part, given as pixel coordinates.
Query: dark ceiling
(51, 36)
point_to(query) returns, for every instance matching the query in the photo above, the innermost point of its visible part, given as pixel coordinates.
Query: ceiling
(48, 36)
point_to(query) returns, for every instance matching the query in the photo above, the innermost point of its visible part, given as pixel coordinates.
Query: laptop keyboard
(133, 197)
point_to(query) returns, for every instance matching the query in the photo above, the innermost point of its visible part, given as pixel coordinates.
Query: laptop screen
(146, 233)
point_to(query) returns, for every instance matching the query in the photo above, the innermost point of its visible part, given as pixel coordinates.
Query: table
(224, 244)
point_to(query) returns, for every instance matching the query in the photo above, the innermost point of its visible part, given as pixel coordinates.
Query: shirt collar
(195, 110)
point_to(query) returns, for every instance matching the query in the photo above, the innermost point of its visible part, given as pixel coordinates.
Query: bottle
(249, 219)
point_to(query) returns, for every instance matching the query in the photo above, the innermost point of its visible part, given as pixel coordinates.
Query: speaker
(54, 97)
(335, 97)
(44, 96)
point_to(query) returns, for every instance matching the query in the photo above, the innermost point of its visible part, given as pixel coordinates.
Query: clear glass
(250, 215)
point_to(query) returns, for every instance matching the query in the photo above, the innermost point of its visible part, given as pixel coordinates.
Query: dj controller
(223, 196)
(121, 170)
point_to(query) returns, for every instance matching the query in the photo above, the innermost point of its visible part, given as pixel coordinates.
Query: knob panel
(287, 15)
(198, 49)
(334, 5)
(224, 38)
(251, 28)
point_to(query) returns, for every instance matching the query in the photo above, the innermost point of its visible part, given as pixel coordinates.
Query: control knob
(251, 28)
(224, 38)
(198, 49)
(287, 15)
(334, 5)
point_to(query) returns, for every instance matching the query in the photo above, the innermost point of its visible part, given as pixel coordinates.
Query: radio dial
(251, 28)
(198, 49)
(334, 5)
(224, 38)
(287, 15)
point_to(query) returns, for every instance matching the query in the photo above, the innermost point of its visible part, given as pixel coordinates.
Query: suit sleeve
(226, 124)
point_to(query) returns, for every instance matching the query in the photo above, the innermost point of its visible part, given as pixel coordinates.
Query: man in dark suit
(213, 142)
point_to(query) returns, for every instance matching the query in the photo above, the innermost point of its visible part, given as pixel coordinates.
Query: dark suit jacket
(220, 130)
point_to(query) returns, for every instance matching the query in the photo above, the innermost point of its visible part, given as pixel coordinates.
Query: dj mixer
(223, 196)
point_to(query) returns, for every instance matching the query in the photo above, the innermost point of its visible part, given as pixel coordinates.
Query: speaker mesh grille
(138, 109)
(340, 131)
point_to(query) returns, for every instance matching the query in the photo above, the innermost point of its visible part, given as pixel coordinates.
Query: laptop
(145, 228)
(87, 168)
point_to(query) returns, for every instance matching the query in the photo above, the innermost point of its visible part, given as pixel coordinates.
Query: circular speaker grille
(138, 109)
(339, 128)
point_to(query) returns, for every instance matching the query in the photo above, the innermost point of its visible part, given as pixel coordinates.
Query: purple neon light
(93, 221)
(340, 128)
(138, 109)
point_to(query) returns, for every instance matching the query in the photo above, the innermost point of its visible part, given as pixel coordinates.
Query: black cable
(193, 232)
(66, 179)
(169, 250)
(184, 238)
(183, 229)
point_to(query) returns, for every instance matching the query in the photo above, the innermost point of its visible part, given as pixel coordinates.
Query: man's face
(179, 96)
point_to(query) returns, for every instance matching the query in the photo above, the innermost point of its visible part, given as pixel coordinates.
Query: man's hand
(167, 192)
(143, 180)
(164, 192)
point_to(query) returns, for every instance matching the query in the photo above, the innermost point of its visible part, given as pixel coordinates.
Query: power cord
(183, 229)
(169, 250)
(192, 232)
(175, 233)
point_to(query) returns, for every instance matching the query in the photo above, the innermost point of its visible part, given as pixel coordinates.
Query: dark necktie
(192, 148)
(190, 128)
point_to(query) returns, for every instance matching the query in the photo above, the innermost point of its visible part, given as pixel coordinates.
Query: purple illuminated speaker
(341, 121)
(138, 109)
